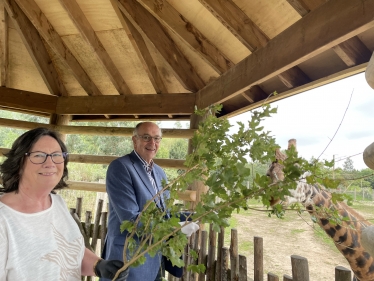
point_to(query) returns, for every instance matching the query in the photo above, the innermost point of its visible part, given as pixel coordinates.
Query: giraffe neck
(346, 234)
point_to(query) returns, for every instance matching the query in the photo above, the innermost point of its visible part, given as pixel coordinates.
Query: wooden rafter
(157, 34)
(143, 53)
(81, 22)
(47, 32)
(3, 44)
(353, 51)
(301, 41)
(237, 22)
(171, 18)
(162, 104)
(35, 46)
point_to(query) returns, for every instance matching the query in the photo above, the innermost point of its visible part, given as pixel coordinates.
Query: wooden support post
(300, 269)
(369, 73)
(258, 259)
(57, 119)
(287, 278)
(342, 274)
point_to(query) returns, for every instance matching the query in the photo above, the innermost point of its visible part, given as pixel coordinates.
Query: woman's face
(45, 175)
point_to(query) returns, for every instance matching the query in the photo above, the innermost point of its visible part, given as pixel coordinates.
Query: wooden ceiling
(96, 60)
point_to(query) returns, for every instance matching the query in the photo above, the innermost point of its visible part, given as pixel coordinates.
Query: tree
(348, 165)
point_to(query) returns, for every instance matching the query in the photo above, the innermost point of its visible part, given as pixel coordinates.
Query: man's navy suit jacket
(129, 188)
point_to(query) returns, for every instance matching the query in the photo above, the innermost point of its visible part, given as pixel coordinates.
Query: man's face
(147, 150)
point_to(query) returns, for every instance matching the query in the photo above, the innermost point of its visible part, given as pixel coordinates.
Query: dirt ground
(294, 235)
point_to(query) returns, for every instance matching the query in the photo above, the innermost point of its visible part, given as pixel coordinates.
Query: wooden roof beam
(47, 32)
(162, 104)
(172, 19)
(352, 51)
(306, 38)
(4, 59)
(35, 46)
(156, 33)
(79, 19)
(249, 34)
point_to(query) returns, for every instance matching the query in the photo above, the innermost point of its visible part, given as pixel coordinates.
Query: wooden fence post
(224, 264)
(272, 277)
(210, 276)
(242, 268)
(221, 240)
(287, 278)
(202, 253)
(258, 266)
(234, 255)
(342, 274)
(300, 269)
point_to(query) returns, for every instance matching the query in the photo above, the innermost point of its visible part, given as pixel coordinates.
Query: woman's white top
(41, 246)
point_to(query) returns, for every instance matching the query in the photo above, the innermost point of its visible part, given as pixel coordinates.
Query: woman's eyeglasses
(38, 157)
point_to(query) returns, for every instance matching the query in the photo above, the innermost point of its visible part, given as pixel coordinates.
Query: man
(131, 181)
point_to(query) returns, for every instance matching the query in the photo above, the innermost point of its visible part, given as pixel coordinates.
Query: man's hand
(108, 269)
(189, 227)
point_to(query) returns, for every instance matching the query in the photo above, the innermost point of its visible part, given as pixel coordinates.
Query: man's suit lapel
(138, 166)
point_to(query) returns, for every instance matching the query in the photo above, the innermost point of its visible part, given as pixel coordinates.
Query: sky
(344, 108)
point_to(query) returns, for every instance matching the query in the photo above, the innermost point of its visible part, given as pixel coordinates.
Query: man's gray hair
(135, 132)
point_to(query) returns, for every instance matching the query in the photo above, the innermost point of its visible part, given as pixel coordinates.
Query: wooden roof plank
(35, 46)
(299, 6)
(156, 33)
(47, 32)
(145, 57)
(308, 37)
(81, 22)
(237, 22)
(171, 18)
(3, 44)
(128, 104)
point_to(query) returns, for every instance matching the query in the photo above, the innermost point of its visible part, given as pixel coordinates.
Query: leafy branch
(220, 161)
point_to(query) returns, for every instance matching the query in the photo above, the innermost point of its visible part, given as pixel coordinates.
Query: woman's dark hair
(11, 167)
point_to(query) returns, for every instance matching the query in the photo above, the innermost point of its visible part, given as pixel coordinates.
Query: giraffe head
(303, 193)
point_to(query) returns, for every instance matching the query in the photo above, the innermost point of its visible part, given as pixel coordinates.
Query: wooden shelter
(103, 60)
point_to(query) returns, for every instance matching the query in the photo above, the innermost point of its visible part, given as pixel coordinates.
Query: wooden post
(369, 73)
(300, 269)
(211, 254)
(221, 240)
(224, 264)
(342, 274)
(242, 268)
(234, 255)
(95, 233)
(79, 207)
(258, 266)
(202, 253)
(56, 119)
(287, 278)
(272, 277)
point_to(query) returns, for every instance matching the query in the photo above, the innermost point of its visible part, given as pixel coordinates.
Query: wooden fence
(221, 263)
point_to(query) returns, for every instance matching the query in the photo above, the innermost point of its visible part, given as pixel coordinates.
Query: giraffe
(346, 235)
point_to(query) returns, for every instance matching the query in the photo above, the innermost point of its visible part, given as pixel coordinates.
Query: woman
(39, 240)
